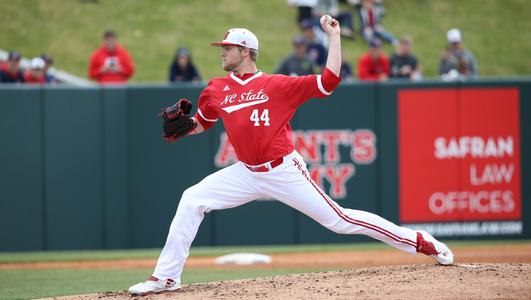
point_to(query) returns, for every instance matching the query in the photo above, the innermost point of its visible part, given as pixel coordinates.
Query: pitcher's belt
(267, 166)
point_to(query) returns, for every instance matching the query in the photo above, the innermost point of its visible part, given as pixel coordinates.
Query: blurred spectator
(182, 67)
(316, 50)
(374, 64)
(457, 62)
(297, 63)
(357, 4)
(404, 63)
(304, 9)
(346, 72)
(35, 73)
(10, 70)
(48, 62)
(371, 23)
(331, 7)
(110, 63)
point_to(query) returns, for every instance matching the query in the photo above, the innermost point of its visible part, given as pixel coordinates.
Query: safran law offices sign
(459, 161)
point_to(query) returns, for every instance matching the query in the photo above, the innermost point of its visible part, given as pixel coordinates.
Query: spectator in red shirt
(10, 70)
(110, 63)
(35, 74)
(374, 64)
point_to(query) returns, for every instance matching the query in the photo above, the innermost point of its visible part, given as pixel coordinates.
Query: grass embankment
(495, 31)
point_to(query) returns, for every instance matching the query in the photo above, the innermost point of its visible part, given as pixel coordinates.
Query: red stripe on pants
(351, 220)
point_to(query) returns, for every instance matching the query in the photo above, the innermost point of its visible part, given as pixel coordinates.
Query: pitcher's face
(231, 57)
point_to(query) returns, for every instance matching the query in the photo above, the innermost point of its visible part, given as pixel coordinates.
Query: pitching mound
(462, 281)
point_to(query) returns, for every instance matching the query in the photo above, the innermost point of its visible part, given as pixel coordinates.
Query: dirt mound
(461, 281)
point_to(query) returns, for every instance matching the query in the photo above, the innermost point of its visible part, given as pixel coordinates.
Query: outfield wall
(85, 168)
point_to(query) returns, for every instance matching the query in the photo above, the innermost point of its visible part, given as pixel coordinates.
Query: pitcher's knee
(188, 198)
(188, 194)
(338, 227)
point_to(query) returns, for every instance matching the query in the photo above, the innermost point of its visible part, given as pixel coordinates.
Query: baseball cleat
(154, 286)
(428, 245)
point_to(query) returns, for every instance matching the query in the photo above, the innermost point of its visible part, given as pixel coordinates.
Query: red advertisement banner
(459, 155)
(321, 150)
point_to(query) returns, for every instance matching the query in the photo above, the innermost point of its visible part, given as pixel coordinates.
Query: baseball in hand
(326, 18)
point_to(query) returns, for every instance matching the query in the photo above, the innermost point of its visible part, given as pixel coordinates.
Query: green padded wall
(22, 220)
(73, 168)
(86, 168)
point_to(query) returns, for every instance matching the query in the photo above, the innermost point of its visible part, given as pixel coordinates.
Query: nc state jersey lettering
(248, 98)
(256, 110)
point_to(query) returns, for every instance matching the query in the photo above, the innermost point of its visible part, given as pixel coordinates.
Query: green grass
(497, 32)
(14, 257)
(28, 284)
(31, 283)
(47, 256)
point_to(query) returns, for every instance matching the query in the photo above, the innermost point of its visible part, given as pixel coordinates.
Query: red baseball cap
(239, 37)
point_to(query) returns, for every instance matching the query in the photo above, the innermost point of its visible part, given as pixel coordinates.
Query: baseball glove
(177, 121)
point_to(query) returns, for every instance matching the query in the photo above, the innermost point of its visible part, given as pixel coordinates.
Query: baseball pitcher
(256, 109)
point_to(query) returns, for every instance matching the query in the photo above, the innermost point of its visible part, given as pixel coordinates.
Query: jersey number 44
(256, 117)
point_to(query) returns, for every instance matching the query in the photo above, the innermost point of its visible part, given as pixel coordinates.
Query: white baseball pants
(291, 184)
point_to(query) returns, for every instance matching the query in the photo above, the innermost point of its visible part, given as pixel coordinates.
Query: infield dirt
(493, 272)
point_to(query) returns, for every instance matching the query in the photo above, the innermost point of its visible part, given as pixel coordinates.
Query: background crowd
(112, 63)
(309, 48)
(36, 73)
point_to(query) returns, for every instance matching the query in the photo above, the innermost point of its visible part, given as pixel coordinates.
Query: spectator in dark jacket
(457, 62)
(316, 50)
(304, 9)
(404, 63)
(10, 70)
(331, 7)
(48, 62)
(182, 68)
(297, 63)
(346, 72)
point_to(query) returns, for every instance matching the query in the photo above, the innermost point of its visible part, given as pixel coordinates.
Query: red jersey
(9, 77)
(28, 78)
(119, 56)
(370, 69)
(256, 110)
